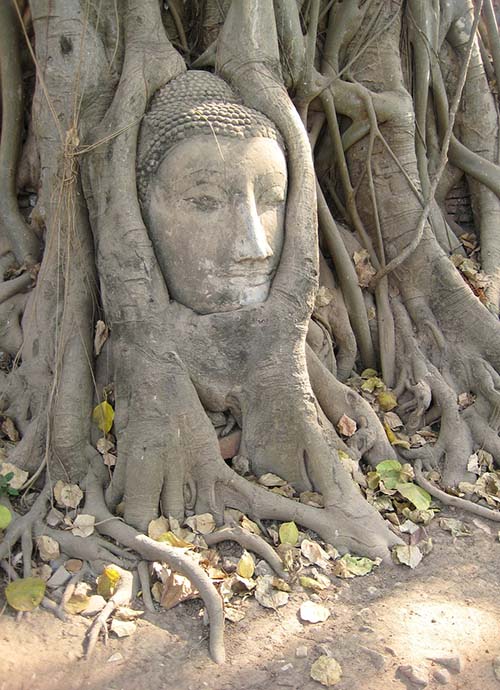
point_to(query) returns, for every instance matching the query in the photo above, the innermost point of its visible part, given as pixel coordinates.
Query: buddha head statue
(212, 183)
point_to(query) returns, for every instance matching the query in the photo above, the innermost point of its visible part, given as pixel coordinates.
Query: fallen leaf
(249, 525)
(18, 477)
(392, 420)
(267, 595)
(158, 527)
(107, 581)
(368, 373)
(326, 670)
(364, 268)
(77, 603)
(73, 565)
(289, 534)
(420, 498)
(370, 384)
(125, 613)
(270, 479)
(312, 498)
(353, 566)
(100, 337)
(5, 517)
(48, 548)
(346, 425)
(83, 525)
(314, 553)
(280, 584)
(104, 445)
(109, 459)
(103, 415)
(203, 523)
(123, 628)
(173, 540)
(234, 614)
(25, 594)
(68, 495)
(407, 555)
(177, 588)
(313, 613)
(387, 401)
(311, 583)
(455, 526)
(246, 565)
(9, 430)
(54, 517)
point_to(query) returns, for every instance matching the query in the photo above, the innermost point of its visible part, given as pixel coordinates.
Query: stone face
(216, 216)
(452, 663)
(378, 660)
(414, 674)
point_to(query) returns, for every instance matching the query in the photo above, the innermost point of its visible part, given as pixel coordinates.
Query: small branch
(143, 572)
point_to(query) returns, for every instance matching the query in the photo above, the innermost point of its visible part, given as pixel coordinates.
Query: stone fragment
(452, 663)
(496, 667)
(414, 674)
(59, 578)
(378, 660)
(442, 676)
(301, 652)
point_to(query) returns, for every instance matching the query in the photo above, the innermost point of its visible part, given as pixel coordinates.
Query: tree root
(121, 597)
(143, 572)
(454, 501)
(151, 550)
(251, 542)
(25, 523)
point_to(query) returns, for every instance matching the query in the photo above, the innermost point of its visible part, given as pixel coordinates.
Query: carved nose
(252, 244)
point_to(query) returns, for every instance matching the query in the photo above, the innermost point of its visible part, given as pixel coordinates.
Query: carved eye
(205, 202)
(272, 196)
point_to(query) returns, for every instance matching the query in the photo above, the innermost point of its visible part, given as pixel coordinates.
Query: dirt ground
(448, 607)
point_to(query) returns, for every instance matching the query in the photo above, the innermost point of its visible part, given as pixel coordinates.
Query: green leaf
(289, 534)
(357, 565)
(25, 594)
(103, 416)
(420, 498)
(5, 517)
(389, 472)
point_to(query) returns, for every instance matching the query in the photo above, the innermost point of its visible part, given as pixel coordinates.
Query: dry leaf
(246, 565)
(203, 523)
(312, 498)
(83, 525)
(48, 548)
(392, 420)
(9, 430)
(104, 445)
(326, 670)
(124, 613)
(314, 553)
(407, 555)
(101, 335)
(346, 425)
(234, 614)
(311, 583)
(173, 540)
(177, 588)
(77, 603)
(19, 476)
(109, 459)
(68, 495)
(387, 401)
(123, 628)
(249, 525)
(267, 595)
(313, 613)
(270, 479)
(364, 269)
(158, 527)
(73, 565)
(54, 517)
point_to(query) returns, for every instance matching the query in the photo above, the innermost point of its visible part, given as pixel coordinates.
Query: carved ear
(252, 65)
(109, 168)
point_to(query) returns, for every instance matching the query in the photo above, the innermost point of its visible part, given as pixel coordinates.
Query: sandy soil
(448, 607)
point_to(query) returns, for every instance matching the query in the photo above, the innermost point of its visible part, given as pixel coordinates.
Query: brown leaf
(101, 335)
(346, 425)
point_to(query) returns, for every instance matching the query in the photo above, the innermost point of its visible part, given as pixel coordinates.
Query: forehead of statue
(222, 160)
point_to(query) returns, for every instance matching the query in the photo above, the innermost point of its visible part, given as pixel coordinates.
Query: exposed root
(145, 580)
(251, 542)
(454, 501)
(24, 523)
(121, 597)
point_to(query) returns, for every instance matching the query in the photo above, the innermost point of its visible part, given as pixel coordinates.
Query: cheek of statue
(216, 217)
